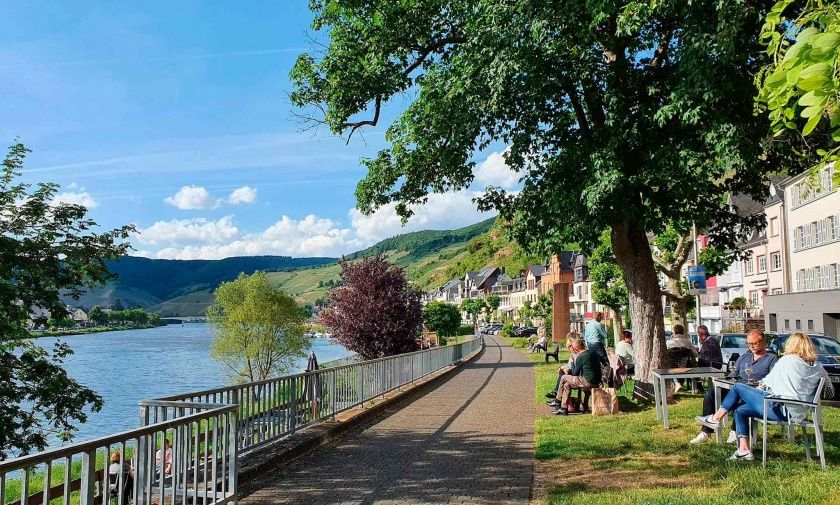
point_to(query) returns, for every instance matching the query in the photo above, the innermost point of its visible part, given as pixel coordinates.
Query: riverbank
(85, 331)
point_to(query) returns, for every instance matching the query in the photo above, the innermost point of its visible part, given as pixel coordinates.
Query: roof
(744, 205)
(579, 260)
(537, 270)
(565, 259)
(484, 274)
(454, 283)
(756, 237)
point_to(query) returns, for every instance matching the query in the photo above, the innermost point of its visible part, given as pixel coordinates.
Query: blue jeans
(597, 348)
(751, 406)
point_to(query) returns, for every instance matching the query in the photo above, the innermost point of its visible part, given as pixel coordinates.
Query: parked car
(731, 343)
(491, 329)
(524, 331)
(828, 354)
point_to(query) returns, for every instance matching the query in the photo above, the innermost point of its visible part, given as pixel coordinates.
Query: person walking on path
(595, 336)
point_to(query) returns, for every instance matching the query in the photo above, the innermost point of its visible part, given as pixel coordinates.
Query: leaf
(811, 124)
(812, 111)
(813, 98)
(812, 83)
(826, 41)
(816, 70)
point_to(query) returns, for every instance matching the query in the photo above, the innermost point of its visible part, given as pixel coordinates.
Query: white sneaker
(741, 456)
(700, 438)
(708, 421)
(732, 438)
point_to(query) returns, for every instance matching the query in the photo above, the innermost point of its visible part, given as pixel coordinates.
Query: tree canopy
(442, 318)
(46, 249)
(259, 328)
(627, 115)
(375, 312)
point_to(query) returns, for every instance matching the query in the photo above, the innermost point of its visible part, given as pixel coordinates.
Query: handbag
(604, 402)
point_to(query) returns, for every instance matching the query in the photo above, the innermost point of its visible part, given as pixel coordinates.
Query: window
(749, 267)
(762, 264)
(821, 231)
(825, 279)
(774, 226)
(776, 261)
(800, 280)
(777, 291)
(798, 324)
(797, 238)
(811, 324)
(787, 324)
(754, 299)
(835, 227)
(837, 275)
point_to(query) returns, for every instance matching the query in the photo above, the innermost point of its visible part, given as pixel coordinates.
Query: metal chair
(814, 408)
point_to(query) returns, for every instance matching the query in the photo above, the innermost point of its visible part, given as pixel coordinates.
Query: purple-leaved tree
(375, 312)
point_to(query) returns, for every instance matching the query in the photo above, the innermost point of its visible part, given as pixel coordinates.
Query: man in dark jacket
(584, 374)
(709, 354)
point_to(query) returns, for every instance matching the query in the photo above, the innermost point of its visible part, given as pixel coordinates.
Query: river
(125, 367)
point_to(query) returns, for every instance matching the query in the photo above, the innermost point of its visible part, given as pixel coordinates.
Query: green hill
(430, 258)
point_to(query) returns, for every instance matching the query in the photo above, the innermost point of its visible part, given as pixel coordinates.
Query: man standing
(595, 336)
(758, 361)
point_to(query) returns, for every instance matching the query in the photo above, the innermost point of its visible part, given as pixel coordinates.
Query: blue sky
(174, 116)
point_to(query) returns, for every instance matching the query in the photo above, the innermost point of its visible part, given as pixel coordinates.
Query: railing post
(86, 492)
(293, 400)
(333, 393)
(360, 385)
(234, 451)
(142, 457)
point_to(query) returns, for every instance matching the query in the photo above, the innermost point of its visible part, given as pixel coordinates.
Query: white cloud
(494, 172)
(189, 231)
(311, 236)
(191, 198)
(245, 194)
(443, 211)
(76, 198)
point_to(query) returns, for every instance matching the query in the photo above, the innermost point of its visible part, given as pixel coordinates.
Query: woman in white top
(795, 376)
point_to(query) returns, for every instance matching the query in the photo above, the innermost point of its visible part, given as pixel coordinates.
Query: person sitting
(709, 354)
(585, 374)
(624, 350)
(163, 459)
(560, 372)
(115, 469)
(758, 362)
(542, 341)
(796, 376)
(680, 341)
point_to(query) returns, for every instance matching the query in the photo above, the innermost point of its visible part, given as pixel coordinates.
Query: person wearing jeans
(595, 336)
(795, 376)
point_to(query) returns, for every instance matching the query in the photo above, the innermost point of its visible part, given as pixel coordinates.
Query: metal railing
(187, 454)
(188, 445)
(274, 408)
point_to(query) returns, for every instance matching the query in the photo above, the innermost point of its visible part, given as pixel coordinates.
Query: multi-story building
(764, 270)
(581, 303)
(533, 280)
(559, 270)
(812, 224)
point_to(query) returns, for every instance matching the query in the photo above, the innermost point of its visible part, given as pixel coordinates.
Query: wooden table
(660, 375)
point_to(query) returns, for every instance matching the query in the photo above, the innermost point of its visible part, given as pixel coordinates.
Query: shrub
(466, 329)
(507, 329)
(520, 343)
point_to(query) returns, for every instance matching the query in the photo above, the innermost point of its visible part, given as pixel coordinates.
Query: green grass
(632, 459)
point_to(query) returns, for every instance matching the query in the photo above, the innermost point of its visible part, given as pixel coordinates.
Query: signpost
(696, 280)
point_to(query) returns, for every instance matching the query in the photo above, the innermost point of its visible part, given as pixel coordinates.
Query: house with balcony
(479, 284)
(812, 227)
(533, 280)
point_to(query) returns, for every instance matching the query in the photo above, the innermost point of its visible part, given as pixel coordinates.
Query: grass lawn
(632, 459)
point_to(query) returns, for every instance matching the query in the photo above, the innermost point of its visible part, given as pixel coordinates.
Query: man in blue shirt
(757, 361)
(596, 336)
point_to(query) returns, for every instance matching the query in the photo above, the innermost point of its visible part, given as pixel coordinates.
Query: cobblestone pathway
(470, 440)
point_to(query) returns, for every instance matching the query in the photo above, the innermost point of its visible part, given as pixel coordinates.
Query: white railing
(274, 408)
(187, 455)
(188, 445)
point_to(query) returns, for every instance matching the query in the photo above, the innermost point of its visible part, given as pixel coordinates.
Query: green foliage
(507, 329)
(493, 302)
(608, 286)
(800, 89)
(473, 306)
(526, 311)
(465, 329)
(715, 260)
(738, 303)
(493, 249)
(259, 329)
(46, 249)
(443, 318)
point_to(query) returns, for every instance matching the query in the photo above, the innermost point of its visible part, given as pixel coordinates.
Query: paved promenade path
(470, 440)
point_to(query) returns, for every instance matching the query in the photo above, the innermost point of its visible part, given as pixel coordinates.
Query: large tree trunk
(633, 254)
(679, 304)
(617, 324)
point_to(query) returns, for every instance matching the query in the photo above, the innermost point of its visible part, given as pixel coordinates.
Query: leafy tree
(442, 318)
(672, 249)
(738, 303)
(259, 328)
(97, 315)
(800, 88)
(493, 302)
(46, 250)
(608, 287)
(375, 312)
(526, 311)
(473, 307)
(608, 109)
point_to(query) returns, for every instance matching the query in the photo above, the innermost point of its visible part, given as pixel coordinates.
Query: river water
(125, 367)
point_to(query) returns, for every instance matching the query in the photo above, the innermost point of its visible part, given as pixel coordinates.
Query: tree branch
(583, 123)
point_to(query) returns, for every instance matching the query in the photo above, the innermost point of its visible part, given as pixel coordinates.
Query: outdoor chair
(553, 354)
(814, 409)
